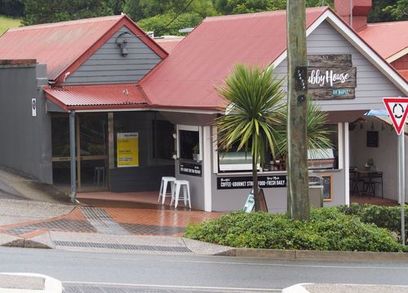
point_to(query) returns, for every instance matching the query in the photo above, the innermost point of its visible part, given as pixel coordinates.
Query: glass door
(92, 151)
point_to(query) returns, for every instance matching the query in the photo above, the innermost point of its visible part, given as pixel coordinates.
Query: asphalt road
(143, 273)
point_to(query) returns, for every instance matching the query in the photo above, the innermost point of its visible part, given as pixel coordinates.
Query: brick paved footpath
(158, 221)
(122, 226)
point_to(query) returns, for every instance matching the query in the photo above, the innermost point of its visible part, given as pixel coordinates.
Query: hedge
(327, 229)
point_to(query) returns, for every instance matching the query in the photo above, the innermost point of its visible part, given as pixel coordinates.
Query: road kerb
(308, 255)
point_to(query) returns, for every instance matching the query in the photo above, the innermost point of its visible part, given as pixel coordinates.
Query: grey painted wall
(107, 65)
(25, 140)
(372, 85)
(196, 188)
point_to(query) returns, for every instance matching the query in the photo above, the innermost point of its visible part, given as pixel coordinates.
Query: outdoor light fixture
(122, 41)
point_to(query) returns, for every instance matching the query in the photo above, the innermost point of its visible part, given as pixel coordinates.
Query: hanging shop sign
(331, 77)
(245, 182)
(193, 169)
(127, 149)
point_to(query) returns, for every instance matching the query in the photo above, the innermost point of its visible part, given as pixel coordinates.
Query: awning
(97, 97)
(382, 115)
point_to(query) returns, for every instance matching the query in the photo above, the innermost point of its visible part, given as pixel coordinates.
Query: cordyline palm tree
(256, 118)
(317, 132)
(255, 110)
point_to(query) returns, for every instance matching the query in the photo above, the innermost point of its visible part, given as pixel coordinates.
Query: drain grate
(123, 246)
(56, 225)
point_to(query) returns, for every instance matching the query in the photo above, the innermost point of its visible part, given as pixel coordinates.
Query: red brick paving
(143, 208)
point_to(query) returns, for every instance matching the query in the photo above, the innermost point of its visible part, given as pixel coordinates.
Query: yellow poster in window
(127, 149)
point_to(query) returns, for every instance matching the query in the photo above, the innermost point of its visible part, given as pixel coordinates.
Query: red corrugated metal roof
(65, 45)
(169, 44)
(188, 76)
(404, 73)
(94, 97)
(387, 38)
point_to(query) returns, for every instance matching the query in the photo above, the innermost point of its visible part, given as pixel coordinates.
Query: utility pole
(298, 180)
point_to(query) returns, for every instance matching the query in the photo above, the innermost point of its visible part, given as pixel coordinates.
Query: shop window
(234, 161)
(326, 158)
(163, 141)
(189, 144)
(60, 136)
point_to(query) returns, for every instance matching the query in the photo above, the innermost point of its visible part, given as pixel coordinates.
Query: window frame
(200, 139)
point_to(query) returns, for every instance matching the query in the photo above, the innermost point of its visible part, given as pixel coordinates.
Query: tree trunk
(298, 185)
(255, 182)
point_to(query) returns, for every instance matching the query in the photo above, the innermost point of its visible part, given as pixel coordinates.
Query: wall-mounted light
(122, 41)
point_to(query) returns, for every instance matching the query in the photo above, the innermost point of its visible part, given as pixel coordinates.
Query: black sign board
(245, 182)
(193, 169)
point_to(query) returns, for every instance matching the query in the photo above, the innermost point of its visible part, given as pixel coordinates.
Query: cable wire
(182, 11)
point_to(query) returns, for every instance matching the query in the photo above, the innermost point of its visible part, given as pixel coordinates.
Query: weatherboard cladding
(372, 85)
(107, 65)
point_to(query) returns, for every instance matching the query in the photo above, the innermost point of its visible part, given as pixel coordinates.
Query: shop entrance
(91, 151)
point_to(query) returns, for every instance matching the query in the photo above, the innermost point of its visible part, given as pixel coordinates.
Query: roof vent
(122, 41)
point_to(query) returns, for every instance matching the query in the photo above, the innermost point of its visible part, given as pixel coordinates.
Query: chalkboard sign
(327, 187)
(193, 169)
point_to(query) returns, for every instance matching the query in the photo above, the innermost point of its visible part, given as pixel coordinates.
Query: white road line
(169, 286)
(405, 267)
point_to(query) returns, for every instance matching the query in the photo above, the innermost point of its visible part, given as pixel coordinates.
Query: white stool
(163, 188)
(181, 184)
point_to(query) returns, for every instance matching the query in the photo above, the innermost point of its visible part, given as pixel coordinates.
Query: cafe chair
(373, 180)
(181, 186)
(99, 175)
(356, 182)
(163, 188)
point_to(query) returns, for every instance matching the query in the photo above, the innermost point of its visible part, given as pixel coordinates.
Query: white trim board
(397, 55)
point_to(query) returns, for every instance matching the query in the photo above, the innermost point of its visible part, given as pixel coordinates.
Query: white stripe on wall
(207, 149)
(346, 163)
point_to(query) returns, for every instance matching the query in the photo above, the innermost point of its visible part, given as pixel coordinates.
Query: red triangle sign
(397, 110)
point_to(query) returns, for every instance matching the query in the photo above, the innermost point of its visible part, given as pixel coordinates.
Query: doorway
(91, 151)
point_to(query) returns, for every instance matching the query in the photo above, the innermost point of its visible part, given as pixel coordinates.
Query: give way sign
(397, 110)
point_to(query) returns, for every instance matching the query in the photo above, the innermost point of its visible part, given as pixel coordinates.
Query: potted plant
(196, 151)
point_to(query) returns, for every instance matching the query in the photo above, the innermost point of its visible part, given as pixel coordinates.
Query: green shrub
(382, 216)
(327, 229)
